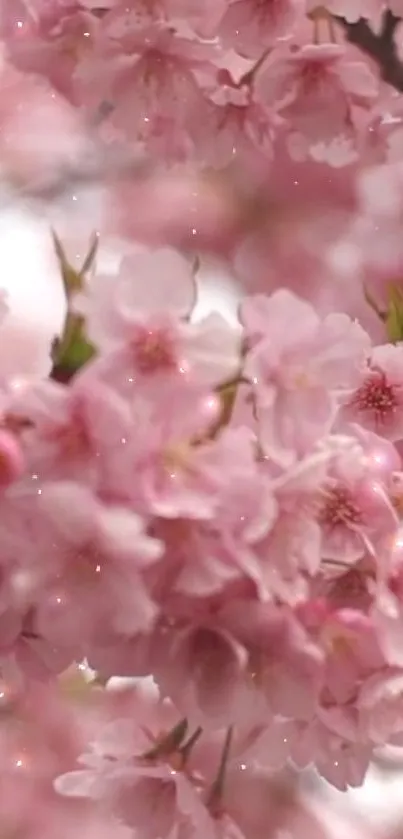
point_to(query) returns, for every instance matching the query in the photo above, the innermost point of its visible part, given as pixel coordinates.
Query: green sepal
(72, 350)
(170, 743)
(373, 304)
(394, 315)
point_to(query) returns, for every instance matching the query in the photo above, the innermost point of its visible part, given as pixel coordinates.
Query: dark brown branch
(381, 48)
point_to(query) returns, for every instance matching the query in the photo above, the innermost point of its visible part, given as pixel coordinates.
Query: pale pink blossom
(354, 511)
(51, 41)
(380, 704)
(317, 89)
(103, 552)
(352, 652)
(149, 283)
(386, 611)
(209, 508)
(377, 403)
(42, 136)
(285, 666)
(237, 130)
(290, 552)
(138, 770)
(250, 26)
(175, 475)
(202, 17)
(207, 552)
(202, 668)
(143, 315)
(64, 430)
(342, 762)
(298, 373)
(157, 99)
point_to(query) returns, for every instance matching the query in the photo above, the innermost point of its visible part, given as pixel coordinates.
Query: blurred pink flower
(297, 373)
(250, 27)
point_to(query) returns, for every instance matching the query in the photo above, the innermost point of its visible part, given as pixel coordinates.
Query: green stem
(188, 746)
(217, 787)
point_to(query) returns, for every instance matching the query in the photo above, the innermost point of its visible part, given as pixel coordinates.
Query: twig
(381, 48)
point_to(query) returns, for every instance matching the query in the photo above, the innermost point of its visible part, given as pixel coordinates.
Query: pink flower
(290, 553)
(66, 429)
(180, 472)
(202, 668)
(317, 89)
(353, 654)
(387, 607)
(131, 25)
(238, 128)
(343, 763)
(51, 41)
(251, 793)
(285, 667)
(380, 704)
(377, 403)
(96, 585)
(297, 374)
(158, 101)
(148, 284)
(250, 26)
(207, 552)
(354, 511)
(203, 18)
(137, 767)
(142, 315)
(42, 136)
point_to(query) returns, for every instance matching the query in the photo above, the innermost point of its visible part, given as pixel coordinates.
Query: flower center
(177, 458)
(312, 74)
(376, 395)
(72, 438)
(351, 588)
(154, 350)
(335, 640)
(339, 508)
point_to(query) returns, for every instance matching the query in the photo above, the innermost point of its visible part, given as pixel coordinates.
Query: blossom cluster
(209, 510)
(209, 82)
(217, 506)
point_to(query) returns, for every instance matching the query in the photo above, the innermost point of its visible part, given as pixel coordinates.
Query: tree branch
(381, 48)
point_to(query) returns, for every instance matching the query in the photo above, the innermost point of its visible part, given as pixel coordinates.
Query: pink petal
(155, 282)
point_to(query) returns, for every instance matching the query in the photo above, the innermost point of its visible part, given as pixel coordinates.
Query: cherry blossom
(375, 403)
(201, 566)
(251, 26)
(294, 373)
(317, 89)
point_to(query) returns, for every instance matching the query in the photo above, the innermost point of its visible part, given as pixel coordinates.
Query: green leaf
(72, 279)
(72, 349)
(91, 256)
